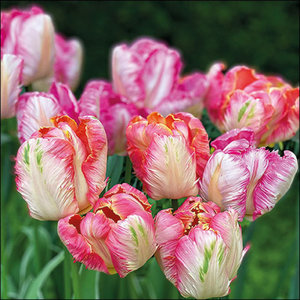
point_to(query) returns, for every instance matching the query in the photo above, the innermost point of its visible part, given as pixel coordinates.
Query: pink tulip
(29, 34)
(11, 78)
(67, 64)
(147, 74)
(61, 169)
(248, 179)
(199, 248)
(118, 236)
(244, 98)
(168, 154)
(98, 99)
(35, 109)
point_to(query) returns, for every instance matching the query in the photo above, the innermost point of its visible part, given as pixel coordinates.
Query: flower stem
(174, 204)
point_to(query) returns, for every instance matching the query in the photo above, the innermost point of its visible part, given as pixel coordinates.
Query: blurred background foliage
(260, 34)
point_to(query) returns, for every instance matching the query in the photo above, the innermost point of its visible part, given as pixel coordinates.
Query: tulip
(67, 64)
(117, 237)
(248, 179)
(244, 98)
(61, 169)
(147, 74)
(11, 78)
(35, 109)
(29, 35)
(168, 154)
(98, 99)
(199, 248)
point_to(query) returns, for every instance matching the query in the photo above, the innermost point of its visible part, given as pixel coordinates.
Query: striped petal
(226, 223)
(271, 177)
(69, 231)
(170, 169)
(225, 181)
(92, 134)
(34, 110)
(201, 265)
(44, 177)
(132, 242)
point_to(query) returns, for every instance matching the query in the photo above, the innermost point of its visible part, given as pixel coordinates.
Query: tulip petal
(201, 265)
(225, 180)
(95, 229)
(126, 73)
(78, 245)
(92, 134)
(274, 182)
(45, 178)
(131, 242)
(11, 74)
(226, 223)
(170, 169)
(34, 110)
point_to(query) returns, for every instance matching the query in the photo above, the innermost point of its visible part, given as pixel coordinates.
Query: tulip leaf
(37, 283)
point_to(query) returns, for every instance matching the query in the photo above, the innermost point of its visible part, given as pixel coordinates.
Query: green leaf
(38, 282)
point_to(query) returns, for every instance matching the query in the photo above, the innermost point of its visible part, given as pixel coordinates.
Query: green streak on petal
(39, 155)
(251, 112)
(166, 148)
(134, 235)
(207, 257)
(141, 229)
(221, 254)
(242, 110)
(26, 154)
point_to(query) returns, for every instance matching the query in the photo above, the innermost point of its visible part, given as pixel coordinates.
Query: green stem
(174, 204)
(128, 169)
(75, 279)
(67, 277)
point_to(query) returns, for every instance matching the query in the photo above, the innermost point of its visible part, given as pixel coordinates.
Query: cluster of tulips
(151, 113)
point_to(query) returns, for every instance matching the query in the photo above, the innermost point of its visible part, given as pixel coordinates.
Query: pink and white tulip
(67, 64)
(244, 98)
(29, 34)
(11, 81)
(147, 74)
(248, 179)
(117, 237)
(200, 248)
(35, 109)
(98, 99)
(168, 154)
(61, 169)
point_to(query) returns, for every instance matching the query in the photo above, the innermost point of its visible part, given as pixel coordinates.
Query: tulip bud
(145, 72)
(168, 154)
(199, 248)
(29, 35)
(99, 100)
(244, 178)
(61, 169)
(118, 236)
(244, 98)
(11, 72)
